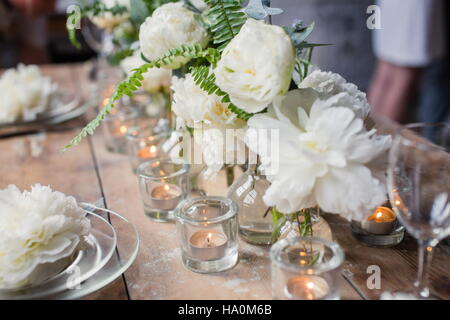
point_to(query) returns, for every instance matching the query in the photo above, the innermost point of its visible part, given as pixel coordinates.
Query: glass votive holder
(381, 229)
(116, 125)
(144, 145)
(306, 268)
(207, 230)
(163, 184)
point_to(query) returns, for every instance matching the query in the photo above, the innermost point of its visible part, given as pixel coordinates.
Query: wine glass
(419, 188)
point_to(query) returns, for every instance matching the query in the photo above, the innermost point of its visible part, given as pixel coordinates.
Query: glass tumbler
(116, 125)
(163, 184)
(144, 145)
(306, 268)
(207, 230)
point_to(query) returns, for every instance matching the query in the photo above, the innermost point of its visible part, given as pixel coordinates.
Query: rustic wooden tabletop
(89, 172)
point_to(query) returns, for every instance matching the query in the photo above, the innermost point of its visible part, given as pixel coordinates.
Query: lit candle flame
(382, 214)
(208, 239)
(153, 149)
(123, 129)
(166, 187)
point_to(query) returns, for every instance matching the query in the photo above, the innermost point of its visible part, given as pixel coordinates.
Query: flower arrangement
(26, 93)
(39, 232)
(246, 74)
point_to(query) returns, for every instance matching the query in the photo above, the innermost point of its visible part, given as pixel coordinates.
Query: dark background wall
(342, 23)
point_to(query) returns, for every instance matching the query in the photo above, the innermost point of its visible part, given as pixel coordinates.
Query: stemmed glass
(419, 188)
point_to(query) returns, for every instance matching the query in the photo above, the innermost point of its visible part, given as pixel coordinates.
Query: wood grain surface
(89, 172)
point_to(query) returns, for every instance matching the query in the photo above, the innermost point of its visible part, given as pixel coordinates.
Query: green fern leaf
(132, 83)
(207, 82)
(224, 19)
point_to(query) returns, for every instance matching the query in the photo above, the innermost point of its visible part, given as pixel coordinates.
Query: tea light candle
(165, 196)
(121, 131)
(382, 221)
(306, 288)
(208, 245)
(147, 152)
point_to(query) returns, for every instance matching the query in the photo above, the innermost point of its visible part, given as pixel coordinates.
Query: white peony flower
(210, 118)
(329, 84)
(322, 160)
(256, 66)
(171, 26)
(193, 105)
(156, 79)
(107, 20)
(25, 92)
(39, 232)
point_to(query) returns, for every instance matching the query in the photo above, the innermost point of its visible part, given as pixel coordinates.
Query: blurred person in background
(412, 52)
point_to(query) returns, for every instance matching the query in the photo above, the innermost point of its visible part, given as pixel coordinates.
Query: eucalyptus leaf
(139, 11)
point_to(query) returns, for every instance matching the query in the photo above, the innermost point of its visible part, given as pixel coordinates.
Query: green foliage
(118, 56)
(152, 5)
(278, 221)
(141, 9)
(72, 31)
(302, 217)
(224, 19)
(298, 34)
(206, 80)
(133, 82)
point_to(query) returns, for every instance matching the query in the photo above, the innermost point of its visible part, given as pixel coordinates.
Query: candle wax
(165, 196)
(382, 221)
(207, 245)
(307, 288)
(382, 214)
(208, 239)
(166, 192)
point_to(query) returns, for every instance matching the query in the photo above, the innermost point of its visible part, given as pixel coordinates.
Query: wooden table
(89, 173)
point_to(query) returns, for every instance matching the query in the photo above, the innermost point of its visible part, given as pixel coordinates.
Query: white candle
(306, 288)
(208, 245)
(165, 196)
(382, 221)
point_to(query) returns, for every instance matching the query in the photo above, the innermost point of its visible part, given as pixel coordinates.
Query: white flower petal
(254, 81)
(351, 192)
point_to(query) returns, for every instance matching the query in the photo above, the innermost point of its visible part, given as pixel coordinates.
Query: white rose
(39, 231)
(108, 21)
(256, 66)
(210, 118)
(323, 158)
(156, 79)
(171, 26)
(328, 84)
(193, 104)
(26, 93)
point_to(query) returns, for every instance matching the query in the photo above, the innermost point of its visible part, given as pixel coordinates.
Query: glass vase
(218, 183)
(306, 223)
(152, 106)
(254, 216)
